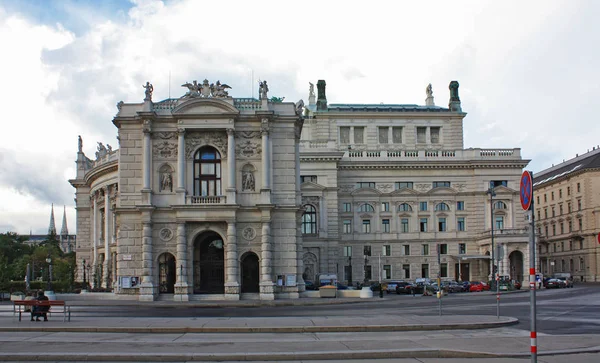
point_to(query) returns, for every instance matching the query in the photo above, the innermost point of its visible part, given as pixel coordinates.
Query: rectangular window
(366, 250)
(368, 273)
(397, 135)
(560, 210)
(406, 269)
(387, 272)
(578, 188)
(562, 228)
(580, 221)
(497, 183)
(346, 207)
(562, 246)
(442, 224)
(348, 273)
(385, 206)
(406, 250)
(366, 226)
(578, 204)
(365, 185)
(408, 185)
(462, 248)
(421, 135)
(383, 135)
(435, 135)
(569, 210)
(570, 245)
(538, 199)
(385, 225)
(404, 225)
(460, 205)
(554, 229)
(425, 270)
(344, 135)
(545, 212)
(444, 270)
(570, 226)
(422, 206)
(568, 190)
(347, 226)
(386, 250)
(539, 214)
(359, 135)
(423, 225)
(460, 224)
(545, 198)
(560, 193)
(546, 230)
(443, 248)
(440, 184)
(347, 251)
(580, 245)
(552, 196)
(308, 178)
(553, 212)
(499, 222)
(425, 250)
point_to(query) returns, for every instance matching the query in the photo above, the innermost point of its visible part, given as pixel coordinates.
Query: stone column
(95, 231)
(232, 286)
(107, 236)
(181, 286)
(299, 253)
(505, 261)
(266, 268)
(265, 155)
(231, 187)
(181, 166)
(147, 285)
(147, 163)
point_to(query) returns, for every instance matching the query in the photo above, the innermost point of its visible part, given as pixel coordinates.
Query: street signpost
(526, 194)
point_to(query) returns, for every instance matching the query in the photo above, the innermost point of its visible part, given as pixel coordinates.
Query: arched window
(366, 208)
(442, 206)
(309, 220)
(499, 205)
(207, 172)
(404, 207)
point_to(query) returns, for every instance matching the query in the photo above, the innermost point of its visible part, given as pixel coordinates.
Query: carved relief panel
(194, 139)
(248, 144)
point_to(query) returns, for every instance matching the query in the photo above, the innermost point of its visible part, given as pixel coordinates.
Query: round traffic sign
(526, 191)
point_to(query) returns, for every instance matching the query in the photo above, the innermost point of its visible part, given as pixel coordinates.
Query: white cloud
(527, 71)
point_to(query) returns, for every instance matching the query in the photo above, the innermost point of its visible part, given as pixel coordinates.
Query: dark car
(309, 285)
(568, 282)
(404, 287)
(341, 286)
(554, 284)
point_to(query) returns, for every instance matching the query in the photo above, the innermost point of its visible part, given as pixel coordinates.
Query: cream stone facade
(567, 217)
(200, 200)
(385, 184)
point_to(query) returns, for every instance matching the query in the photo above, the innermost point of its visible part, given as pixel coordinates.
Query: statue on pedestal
(149, 89)
(263, 89)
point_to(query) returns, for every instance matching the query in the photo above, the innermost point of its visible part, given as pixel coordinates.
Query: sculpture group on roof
(216, 90)
(263, 90)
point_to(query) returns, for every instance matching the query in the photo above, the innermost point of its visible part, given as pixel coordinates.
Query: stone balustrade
(247, 103)
(109, 157)
(213, 199)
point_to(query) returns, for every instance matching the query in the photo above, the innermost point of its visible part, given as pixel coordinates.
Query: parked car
(310, 286)
(517, 285)
(568, 282)
(391, 285)
(341, 286)
(478, 286)
(454, 286)
(467, 285)
(404, 287)
(554, 284)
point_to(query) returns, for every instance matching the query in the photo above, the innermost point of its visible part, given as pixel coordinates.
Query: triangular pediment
(308, 186)
(441, 190)
(503, 189)
(194, 107)
(366, 191)
(404, 191)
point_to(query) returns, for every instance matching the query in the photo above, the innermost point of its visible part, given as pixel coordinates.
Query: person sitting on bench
(39, 311)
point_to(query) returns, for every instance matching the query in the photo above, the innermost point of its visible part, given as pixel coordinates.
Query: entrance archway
(516, 265)
(209, 264)
(250, 272)
(166, 273)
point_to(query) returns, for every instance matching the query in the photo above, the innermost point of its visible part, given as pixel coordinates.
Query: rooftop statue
(429, 90)
(102, 151)
(79, 144)
(218, 90)
(149, 89)
(311, 89)
(206, 90)
(193, 89)
(299, 107)
(263, 89)
(454, 91)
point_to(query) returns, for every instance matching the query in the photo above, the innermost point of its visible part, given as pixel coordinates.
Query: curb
(298, 329)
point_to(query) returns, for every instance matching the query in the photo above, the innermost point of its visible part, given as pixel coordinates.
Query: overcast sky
(528, 70)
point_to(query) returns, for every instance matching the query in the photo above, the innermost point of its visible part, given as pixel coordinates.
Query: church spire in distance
(64, 231)
(52, 226)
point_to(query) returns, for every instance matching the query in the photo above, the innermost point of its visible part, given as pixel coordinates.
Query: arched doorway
(209, 265)
(516, 265)
(250, 272)
(166, 273)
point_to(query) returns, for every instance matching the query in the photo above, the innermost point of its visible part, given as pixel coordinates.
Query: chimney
(454, 104)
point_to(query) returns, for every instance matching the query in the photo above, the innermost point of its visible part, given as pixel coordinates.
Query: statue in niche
(248, 182)
(149, 89)
(166, 182)
(263, 89)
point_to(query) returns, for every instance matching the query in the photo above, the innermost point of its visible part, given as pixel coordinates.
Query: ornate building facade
(201, 199)
(567, 207)
(386, 185)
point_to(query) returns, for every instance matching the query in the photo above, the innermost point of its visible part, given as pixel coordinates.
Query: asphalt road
(559, 311)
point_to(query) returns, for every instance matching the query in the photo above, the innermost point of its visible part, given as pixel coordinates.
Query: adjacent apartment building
(567, 212)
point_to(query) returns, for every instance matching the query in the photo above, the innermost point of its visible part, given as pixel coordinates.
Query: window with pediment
(207, 172)
(366, 208)
(442, 206)
(404, 207)
(309, 220)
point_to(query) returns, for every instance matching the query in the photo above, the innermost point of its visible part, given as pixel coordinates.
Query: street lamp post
(84, 281)
(366, 261)
(49, 261)
(492, 194)
(349, 270)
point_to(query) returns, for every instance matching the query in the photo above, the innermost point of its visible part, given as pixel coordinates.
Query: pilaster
(232, 286)
(266, 281)
(181, 286)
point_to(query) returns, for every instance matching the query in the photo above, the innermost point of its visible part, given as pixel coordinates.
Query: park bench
(19, 306)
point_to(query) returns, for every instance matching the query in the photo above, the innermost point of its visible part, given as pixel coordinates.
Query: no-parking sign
(526, 191)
